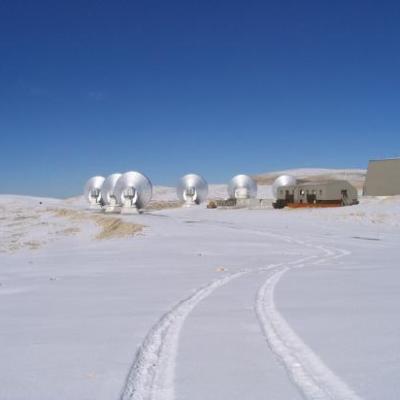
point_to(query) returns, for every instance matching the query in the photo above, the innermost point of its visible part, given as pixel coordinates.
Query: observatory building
(92, 191)
(133, 191)
(192, 189)
(383, 178)
(331, 193)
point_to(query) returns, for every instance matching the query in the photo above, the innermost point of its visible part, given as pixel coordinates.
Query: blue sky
(215, 87)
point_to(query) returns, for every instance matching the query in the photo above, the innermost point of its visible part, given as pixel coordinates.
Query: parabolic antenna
(192, 189)
(107, 191)
(242, 187)
(92, 191)
(283, 180)
(133, 191)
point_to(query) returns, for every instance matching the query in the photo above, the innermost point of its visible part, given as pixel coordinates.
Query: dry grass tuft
(32, 244)
(116, 228)
(111, 227)
(74, 230)
(162, 205)
(71, 214)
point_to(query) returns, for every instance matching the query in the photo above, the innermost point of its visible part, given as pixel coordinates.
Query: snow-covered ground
(191, 303)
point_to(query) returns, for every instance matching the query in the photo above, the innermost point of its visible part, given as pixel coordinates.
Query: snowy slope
(199, 304)
(355, 176)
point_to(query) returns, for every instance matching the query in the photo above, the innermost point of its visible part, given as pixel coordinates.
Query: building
(383, 178)
(329, 193)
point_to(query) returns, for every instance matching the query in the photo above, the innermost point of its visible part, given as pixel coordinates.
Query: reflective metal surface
(192, 185)
(92, 191)
(107, 190)
(283, 180)
(242, 186)
(135, 187)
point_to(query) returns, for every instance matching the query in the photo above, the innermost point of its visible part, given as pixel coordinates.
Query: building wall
(383, 178)
(326, 191)
(334, 190)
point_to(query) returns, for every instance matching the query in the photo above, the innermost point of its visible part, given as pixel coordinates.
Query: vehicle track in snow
(306, 370)
(151, 376)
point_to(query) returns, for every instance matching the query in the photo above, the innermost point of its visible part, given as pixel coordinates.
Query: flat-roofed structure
(383, 178)
(317, 194)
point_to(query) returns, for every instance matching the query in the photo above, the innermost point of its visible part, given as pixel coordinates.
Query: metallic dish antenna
(92, 191)
(192, 189)
(242, 187)
(107, 192)
(133, 192)
(283, 180)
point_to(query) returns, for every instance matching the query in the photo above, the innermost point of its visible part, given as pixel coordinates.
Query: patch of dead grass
(111, 227)
(74, 230)
(25, 217)
(32, 244)
(162, 205)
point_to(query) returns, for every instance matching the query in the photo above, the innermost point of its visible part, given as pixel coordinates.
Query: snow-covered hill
(355, 176)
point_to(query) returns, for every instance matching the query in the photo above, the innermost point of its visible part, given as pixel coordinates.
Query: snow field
(202, 304)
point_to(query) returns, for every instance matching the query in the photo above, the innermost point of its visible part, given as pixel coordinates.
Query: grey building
(383, 178)
(331, 192)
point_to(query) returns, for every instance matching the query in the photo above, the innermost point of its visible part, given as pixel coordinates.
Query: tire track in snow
(307, 371)
(315, 380)
(151, 376)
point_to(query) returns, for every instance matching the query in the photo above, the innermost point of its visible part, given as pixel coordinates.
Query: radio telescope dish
(107, 192)
(242, 187)
(192, 189)
(283, 180)
(133, 191)
(92, 191)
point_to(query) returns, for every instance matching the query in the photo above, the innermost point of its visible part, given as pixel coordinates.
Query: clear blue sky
(170, 87)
